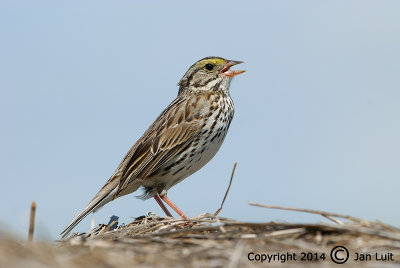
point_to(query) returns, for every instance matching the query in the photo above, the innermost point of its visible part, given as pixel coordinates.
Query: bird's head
(211, 73)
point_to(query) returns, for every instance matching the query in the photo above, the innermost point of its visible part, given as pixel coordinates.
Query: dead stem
(32, 221)
(325, 214)
(227, 190)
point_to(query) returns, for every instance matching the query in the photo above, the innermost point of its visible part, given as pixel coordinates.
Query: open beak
(231, 73)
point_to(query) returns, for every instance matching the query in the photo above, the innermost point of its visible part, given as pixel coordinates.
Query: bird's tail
(101, 198)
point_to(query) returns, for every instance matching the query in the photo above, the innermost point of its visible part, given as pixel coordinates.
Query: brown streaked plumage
(184, 137)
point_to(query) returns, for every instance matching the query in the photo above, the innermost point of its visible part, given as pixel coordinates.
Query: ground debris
(206, 241)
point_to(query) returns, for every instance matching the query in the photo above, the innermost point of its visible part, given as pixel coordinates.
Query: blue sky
(317, 112)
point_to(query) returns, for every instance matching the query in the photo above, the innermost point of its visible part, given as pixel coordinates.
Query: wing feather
(170, 134)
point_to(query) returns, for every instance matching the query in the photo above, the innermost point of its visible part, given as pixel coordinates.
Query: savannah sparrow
(186, 135)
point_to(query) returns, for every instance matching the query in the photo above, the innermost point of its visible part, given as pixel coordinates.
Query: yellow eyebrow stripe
(213, 61)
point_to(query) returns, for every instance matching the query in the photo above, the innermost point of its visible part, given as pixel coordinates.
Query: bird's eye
(209, 66)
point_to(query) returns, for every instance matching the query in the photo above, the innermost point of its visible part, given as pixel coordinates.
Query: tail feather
(98, 201)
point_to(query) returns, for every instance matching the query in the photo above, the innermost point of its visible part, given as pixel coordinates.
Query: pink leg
(161, 204)
(173, 206)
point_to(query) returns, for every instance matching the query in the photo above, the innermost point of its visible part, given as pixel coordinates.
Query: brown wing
(171, 133)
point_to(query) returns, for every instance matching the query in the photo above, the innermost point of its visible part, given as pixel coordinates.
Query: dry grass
(207, 241)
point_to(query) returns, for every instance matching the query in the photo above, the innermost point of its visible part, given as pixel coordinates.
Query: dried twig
(32, 221)
(108, 227)
(227, 190)
(328, 215)
(333, 219)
